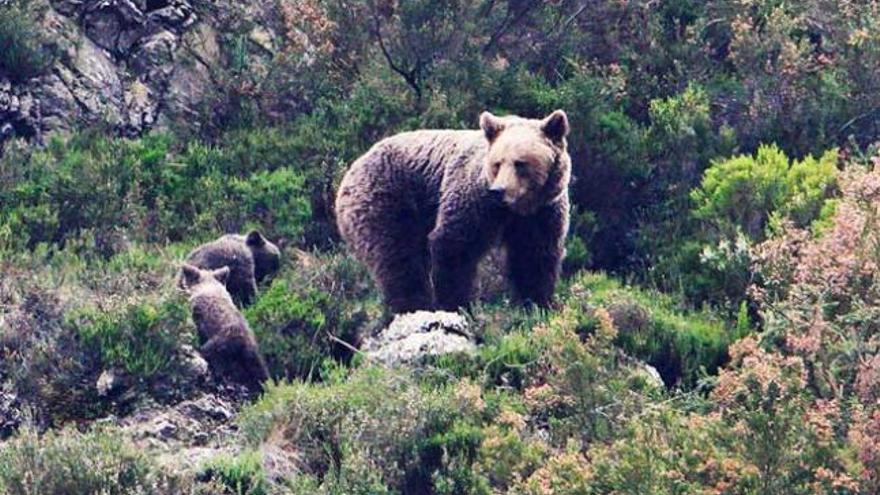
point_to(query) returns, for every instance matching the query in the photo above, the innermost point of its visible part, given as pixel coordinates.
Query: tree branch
(411, 77)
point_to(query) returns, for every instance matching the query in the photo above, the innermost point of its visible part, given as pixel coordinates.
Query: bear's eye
(496, 167)
(521, 166)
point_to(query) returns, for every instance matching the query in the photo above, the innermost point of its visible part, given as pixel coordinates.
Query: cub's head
(527, 165)
(195, 280)
(267, 256)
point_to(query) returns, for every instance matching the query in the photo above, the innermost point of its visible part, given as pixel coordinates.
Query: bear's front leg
(535, 247)
(457, 244)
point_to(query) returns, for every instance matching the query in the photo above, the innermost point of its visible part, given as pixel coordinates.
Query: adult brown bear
(421, 209)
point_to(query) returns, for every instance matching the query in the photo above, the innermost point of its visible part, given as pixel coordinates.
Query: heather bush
(759, 432)
(377, 420)
(239, 475)
(818, 294)
(143, 338)
(682, 345)
(65, 318)
(111, 189)
(67, 461)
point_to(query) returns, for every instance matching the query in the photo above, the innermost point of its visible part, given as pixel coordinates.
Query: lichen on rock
(413, 336)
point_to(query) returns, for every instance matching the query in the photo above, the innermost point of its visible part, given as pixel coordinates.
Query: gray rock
(195, 367)
(19, 112)
(278, 463)
(412, 336)
(207, 407)
(113, 24)
(164, 428)
(652, 376)
(10, 412)
(200, 421)
(154, 59)
(141, 108)
(111, 383)
(128, 65)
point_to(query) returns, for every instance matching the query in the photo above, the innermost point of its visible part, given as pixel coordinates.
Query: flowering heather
(819, 294)
(819, 297)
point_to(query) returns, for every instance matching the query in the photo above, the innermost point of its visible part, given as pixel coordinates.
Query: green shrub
(276, 201)
(242, 474)
(87, 183)
(142, 338)
(377, 421)
(290, 326)
(318, 307)
(759, 432)
(681, 345)
(146, 190)
(744, 192)
(706, 254)
(70, 462)
(25, 49)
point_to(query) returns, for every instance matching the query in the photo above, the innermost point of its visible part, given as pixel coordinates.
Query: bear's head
(527, 165)
(267, 256)
(194, 280)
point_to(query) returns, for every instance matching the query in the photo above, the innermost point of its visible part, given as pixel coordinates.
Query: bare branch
(411, 77)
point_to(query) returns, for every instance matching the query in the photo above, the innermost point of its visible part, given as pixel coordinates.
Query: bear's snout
(497, 192)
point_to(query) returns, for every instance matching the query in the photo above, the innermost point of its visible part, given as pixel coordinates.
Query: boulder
(413, 336)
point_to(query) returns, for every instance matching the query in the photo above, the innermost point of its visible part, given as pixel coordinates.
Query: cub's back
(229, 250)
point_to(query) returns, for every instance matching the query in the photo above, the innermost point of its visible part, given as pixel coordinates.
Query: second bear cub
(227, 342)
(250, 258)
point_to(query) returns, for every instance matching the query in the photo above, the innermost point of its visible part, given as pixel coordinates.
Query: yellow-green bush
(744, 192)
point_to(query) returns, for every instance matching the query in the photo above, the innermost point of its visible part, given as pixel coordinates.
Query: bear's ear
(255, 239)
(221, 274)
(191, 275)
(491, 125)
(555, 126)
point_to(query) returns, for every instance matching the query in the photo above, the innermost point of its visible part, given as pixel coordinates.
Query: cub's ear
(491, 125)
(191, 275)
(555, 126)
(255, 239)
(221, 274)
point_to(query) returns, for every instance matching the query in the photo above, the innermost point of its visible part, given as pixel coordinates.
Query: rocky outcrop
(413, 336)
(127, 65)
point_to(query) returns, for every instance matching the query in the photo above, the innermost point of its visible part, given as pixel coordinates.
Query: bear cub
(251, 258)
(227, 342)
(421, 209)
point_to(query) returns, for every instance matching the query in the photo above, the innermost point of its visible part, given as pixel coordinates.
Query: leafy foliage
(317, 308)
(239, 475)
(683, 347)
(26, 51)
(99, 461)
(744, 193)
(142, 339)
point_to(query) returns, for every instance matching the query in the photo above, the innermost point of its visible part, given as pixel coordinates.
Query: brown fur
(421, 209)
(251, 259)
(227, 342)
